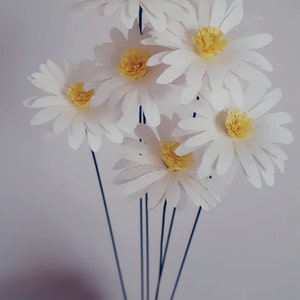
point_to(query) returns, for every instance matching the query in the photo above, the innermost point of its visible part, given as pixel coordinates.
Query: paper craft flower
(67, 104)
(203, 49)
(151, 166)
(127, 82)
(157, 12)
(245, 135)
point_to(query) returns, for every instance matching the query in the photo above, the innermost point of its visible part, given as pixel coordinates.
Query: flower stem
(186, 252)
(109, 225)
(142, 119)
(147, 247)
(142, 248)
(141, 20)
(164, 255)
(162, 234)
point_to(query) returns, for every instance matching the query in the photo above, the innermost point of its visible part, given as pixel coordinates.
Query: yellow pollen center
(133, 63)
(238, 124)
(209, 41)
(173, 161)
(79, 97)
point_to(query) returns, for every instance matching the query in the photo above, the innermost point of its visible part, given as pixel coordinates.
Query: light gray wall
(54, 242)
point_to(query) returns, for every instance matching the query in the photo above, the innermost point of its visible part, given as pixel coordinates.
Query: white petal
(118, 94)
(29, 102)
(44, 83)
(255, 41)
(113, 132)
(226, 158)
(63, 121)
(208, 159)
(276, 134)
(196, 124)
(201, 139)
(172, 73)
(203, 190)
(133, 172)
(274, 150)
(166, 128)
(189, 93)
(151, 111)
(144, 153)
(182, 56)
(253, 94)
(219, 98)
(146, 134)
(279, 163)
(156, 59)
(234, 18)
(156, 192)
(248, 163)
(250, 74)
(217, 13)
(56, 71)
(194, 77)
(75, 140)
(172, 192)
(94, 127)
(94, 141)
(157, 19)
(127, 20)
(275, 119)
(132, 7)
(268, 176)
(255, 181)
(77, 125)
(52, 101)
(257, 59)
(123, 163)
(203, 12)
(129, 100)
(129, 121)
(215, 77)
(266, 103)
(234, 86)
(46, 115)
(107, 87)
(104, 74)
(262, 157)
(144, 181)
(193, 195)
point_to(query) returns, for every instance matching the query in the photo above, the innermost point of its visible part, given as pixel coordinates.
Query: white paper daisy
(151, 166)
(126, 80)
(246, 135)
(67, 104)
(156, 12)
(203, 48)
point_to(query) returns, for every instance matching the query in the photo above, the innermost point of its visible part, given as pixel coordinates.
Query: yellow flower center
(79, 97)
(209, 41)
(238, 124)
(173, 161)
(133, 63)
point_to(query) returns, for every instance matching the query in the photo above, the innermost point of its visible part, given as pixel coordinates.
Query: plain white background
(54, 241)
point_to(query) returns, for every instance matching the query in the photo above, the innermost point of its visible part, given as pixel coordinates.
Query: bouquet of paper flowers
(186, 96)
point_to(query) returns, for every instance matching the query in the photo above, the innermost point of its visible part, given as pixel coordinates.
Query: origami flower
(126, 80)
(203, 49)
(156, 11)
(151, 166)
(67, 104)
(246, 135)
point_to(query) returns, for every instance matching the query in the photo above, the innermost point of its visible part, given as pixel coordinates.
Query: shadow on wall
(48, 286)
